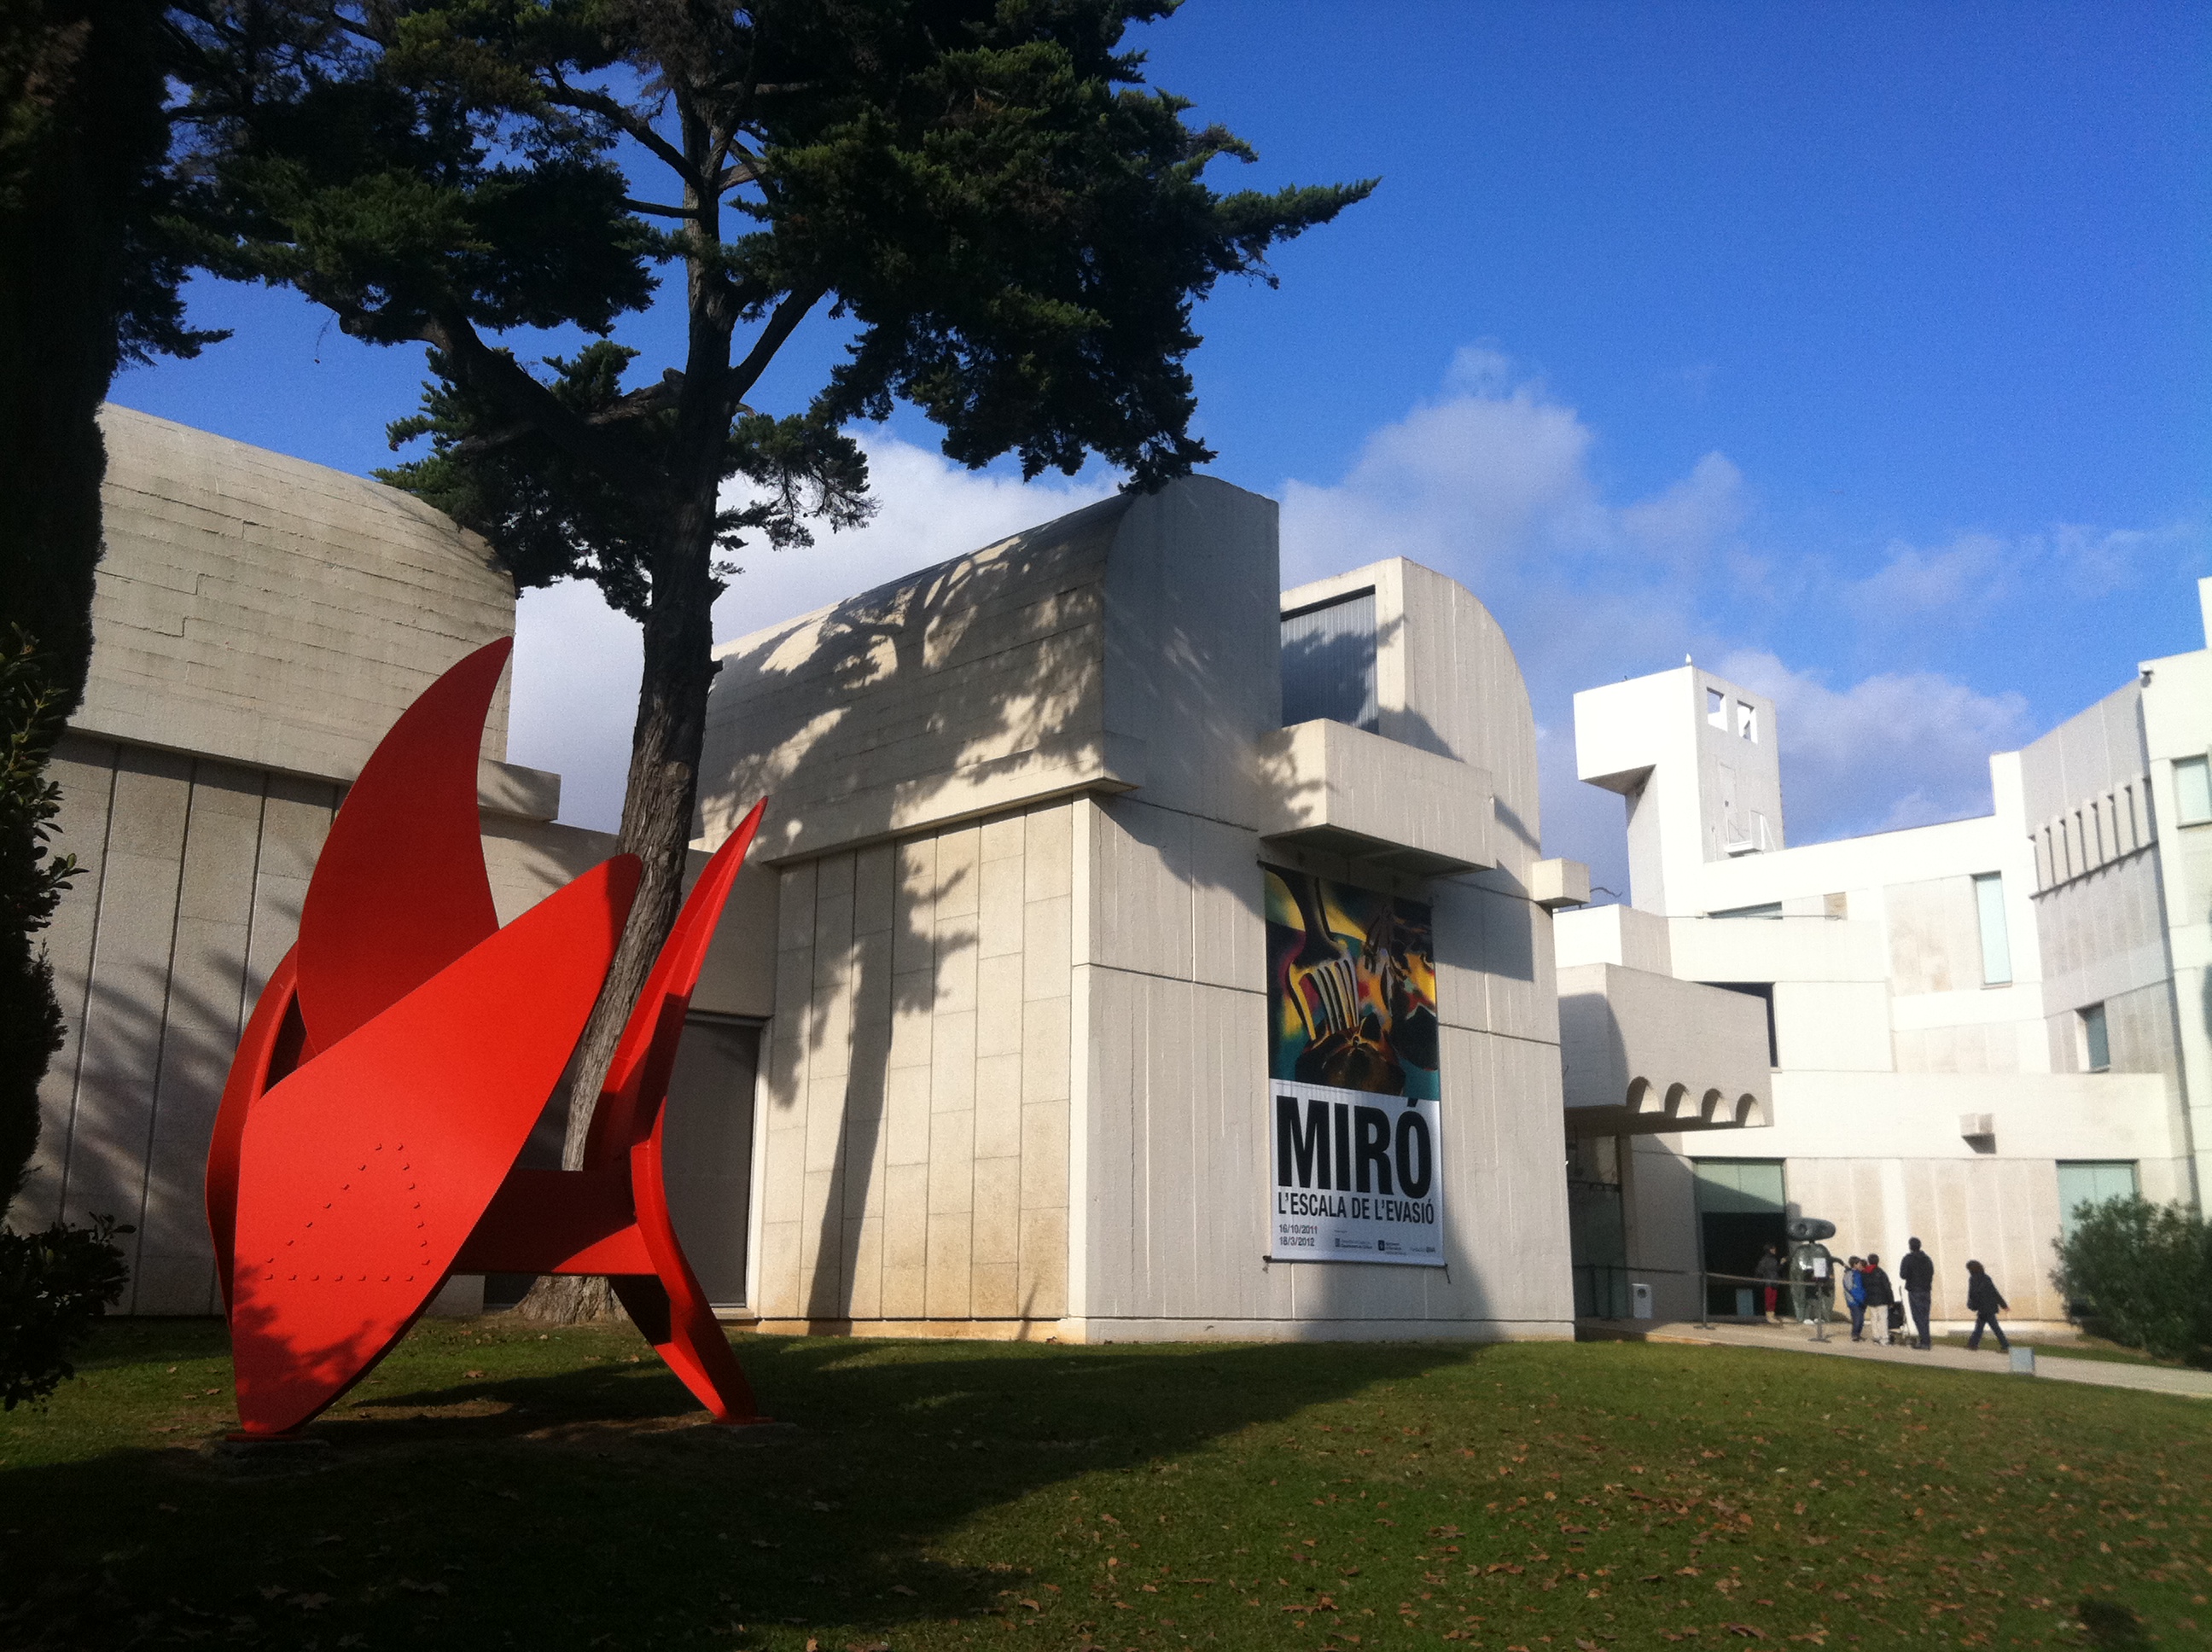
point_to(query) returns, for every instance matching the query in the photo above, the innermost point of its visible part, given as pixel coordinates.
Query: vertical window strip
(1996, 941)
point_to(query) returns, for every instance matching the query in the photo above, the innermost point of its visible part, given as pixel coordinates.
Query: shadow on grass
(539, 1496)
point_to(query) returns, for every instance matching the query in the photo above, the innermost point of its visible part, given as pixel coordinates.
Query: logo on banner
(1352, 1084)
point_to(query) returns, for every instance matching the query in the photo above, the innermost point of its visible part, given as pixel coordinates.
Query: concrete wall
(972, 686)
(192, 873)
(1016, 1081)
(259, 625)
(271, 612)
(1171, 1187)
(914, 1143)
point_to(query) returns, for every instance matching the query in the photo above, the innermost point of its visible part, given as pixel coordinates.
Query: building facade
(1135, 950)
(1034, 815)
(1975, 1026)
(1063, 969)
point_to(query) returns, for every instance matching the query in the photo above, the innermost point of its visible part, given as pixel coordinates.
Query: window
(1763, 990)
(2090, 1181)
(1746, 722)
(2096, 1042)
(2192, 791)
(1329, 662)
(1716, 709)
(1996, 944)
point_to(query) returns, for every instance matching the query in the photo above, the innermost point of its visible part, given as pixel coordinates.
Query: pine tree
(1015, 228)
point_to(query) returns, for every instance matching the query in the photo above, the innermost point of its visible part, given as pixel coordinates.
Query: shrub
(54, 1286)
(31, 880)
(2142, 1274)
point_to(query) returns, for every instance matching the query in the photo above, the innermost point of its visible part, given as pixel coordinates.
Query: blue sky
(1864, 352)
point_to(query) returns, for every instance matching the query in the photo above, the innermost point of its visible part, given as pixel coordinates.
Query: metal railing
(1807, 1300)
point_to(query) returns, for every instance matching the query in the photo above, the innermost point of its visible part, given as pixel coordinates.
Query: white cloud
(1494, 485)
(1968, 581)
(1898, 749)
(1957, 583)
(576, 661)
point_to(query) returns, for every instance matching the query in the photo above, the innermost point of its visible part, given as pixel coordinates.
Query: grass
(492, 1487)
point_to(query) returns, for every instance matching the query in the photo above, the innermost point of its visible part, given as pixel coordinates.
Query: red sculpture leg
(632, 1112)
(360, 1174)
(588, 1221)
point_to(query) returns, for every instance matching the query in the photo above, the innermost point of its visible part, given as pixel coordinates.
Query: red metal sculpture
(393, 1067)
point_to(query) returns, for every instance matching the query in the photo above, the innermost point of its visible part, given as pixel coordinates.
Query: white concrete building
(1974, 1026)
(1070, 993)
(1134, 949)
(1016, 1015)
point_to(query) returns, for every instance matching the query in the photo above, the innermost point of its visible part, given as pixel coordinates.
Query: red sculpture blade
(267, 1053)
(360, 1174)
(637, 1078)
(400, 890)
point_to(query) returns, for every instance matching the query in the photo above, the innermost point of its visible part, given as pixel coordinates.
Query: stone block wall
(273, 612)
(191, 873)
(914, 1134)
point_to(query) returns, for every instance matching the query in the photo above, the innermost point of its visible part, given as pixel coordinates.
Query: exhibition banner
(1352, 1091)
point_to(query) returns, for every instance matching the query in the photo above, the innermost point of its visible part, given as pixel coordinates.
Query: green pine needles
(1008, 228)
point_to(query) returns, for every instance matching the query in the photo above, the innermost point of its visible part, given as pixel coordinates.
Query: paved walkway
(1795, 1339)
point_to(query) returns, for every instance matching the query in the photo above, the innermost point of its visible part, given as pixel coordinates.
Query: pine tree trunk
(656, 826)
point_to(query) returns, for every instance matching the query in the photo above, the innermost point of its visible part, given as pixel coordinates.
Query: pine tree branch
(629, 122)
(496, 375)
(781, 324)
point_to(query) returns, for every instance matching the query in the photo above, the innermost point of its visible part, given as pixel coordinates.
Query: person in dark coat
(1880, 1296)
(1769, 1270)
(1985, 1303)
(1917, 1273)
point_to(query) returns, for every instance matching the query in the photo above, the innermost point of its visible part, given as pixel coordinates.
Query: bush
(31, 880)
(2141, 1274)
(54, 1286)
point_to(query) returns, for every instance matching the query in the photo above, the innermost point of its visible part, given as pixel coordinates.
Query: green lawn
(492, 1488)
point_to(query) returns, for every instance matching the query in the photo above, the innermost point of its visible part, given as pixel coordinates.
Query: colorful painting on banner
(1351, 1082)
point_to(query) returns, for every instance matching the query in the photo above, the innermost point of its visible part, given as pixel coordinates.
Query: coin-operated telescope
(1812, 1272)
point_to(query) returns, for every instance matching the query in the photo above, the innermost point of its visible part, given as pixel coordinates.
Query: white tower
(1696, 757)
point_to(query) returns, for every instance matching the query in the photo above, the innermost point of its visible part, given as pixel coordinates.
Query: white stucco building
(1975, 1025)
(1134, 949)
(1070, 992)
(1015, 1015)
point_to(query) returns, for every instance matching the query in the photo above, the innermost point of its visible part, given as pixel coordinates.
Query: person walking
(1917, 1273)
(1855, 1295)
(1880, 1296)
(1985, 1303)
(1769, 1273)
